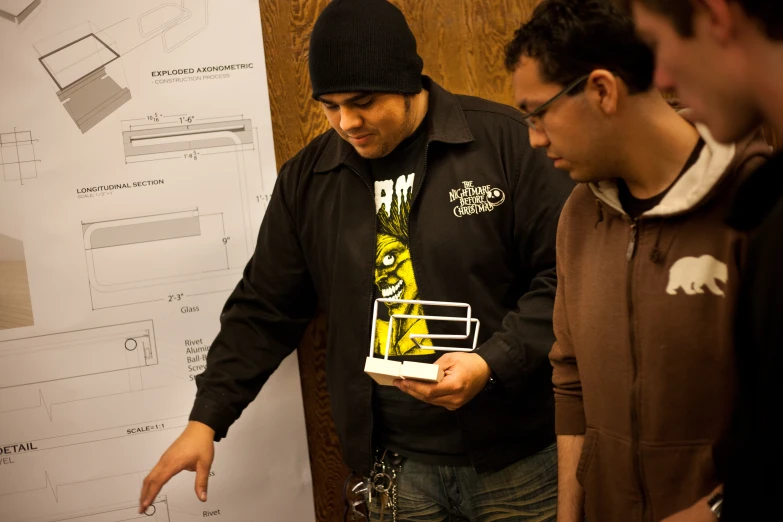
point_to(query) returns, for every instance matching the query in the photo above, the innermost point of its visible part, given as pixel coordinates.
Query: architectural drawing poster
(136, 161)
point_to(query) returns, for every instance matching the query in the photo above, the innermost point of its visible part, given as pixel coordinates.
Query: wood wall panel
(461, 42)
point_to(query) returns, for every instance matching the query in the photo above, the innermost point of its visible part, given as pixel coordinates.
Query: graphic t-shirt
(413, 428)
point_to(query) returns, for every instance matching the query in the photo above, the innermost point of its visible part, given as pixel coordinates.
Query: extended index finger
(153, 483)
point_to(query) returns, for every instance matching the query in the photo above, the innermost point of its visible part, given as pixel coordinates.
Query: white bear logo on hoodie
(692, 274)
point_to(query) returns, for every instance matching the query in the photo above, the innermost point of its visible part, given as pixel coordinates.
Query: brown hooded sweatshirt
(643, 364)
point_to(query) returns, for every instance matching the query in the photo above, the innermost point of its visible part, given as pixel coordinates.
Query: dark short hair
(680, 12)
(571, 38)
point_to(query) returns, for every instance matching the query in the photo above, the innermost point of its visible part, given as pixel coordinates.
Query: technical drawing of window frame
(17, 156)
(104, 345)
(157, 228)
(176, 138)
(21, 15)
(202, 142)
(158, 511)
(52, 74)
(164, 140)
(93, 96)
(183, 14)
(188, 10)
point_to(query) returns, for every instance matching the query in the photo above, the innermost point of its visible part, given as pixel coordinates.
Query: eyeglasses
(533, 119)
(355, 495)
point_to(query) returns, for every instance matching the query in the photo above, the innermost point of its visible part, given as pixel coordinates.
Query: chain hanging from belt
(383, 480)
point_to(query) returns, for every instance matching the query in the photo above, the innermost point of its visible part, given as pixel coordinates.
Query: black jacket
(317, 245)
(754, 474)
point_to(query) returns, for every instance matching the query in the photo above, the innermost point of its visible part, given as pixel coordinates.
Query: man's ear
(715, 16)
(603, 91)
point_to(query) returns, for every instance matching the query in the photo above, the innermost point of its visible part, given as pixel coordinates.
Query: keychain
(383, 480)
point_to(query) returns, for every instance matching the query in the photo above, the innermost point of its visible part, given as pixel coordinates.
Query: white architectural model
(385, 372)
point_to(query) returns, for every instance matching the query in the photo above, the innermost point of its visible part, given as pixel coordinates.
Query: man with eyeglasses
(647, 268)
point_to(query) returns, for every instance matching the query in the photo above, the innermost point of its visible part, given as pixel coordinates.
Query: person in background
(725, 58)
(414, 194)
(647, 268)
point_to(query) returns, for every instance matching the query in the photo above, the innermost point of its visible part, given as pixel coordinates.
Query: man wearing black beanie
(415, 194)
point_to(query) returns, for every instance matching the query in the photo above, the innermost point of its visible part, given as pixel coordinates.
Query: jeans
(524, 491)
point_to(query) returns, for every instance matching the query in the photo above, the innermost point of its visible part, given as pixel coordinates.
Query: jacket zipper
(630, 253)
(369, 308)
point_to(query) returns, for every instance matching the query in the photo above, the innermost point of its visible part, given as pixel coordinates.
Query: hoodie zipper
(369, 308)
(637, 464)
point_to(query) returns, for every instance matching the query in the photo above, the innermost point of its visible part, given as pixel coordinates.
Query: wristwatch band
(716, 504)
(491, 382)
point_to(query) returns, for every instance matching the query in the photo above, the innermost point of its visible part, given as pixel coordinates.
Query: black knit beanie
(363, 46)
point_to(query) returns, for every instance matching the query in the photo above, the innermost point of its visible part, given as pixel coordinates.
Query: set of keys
(383, 481)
